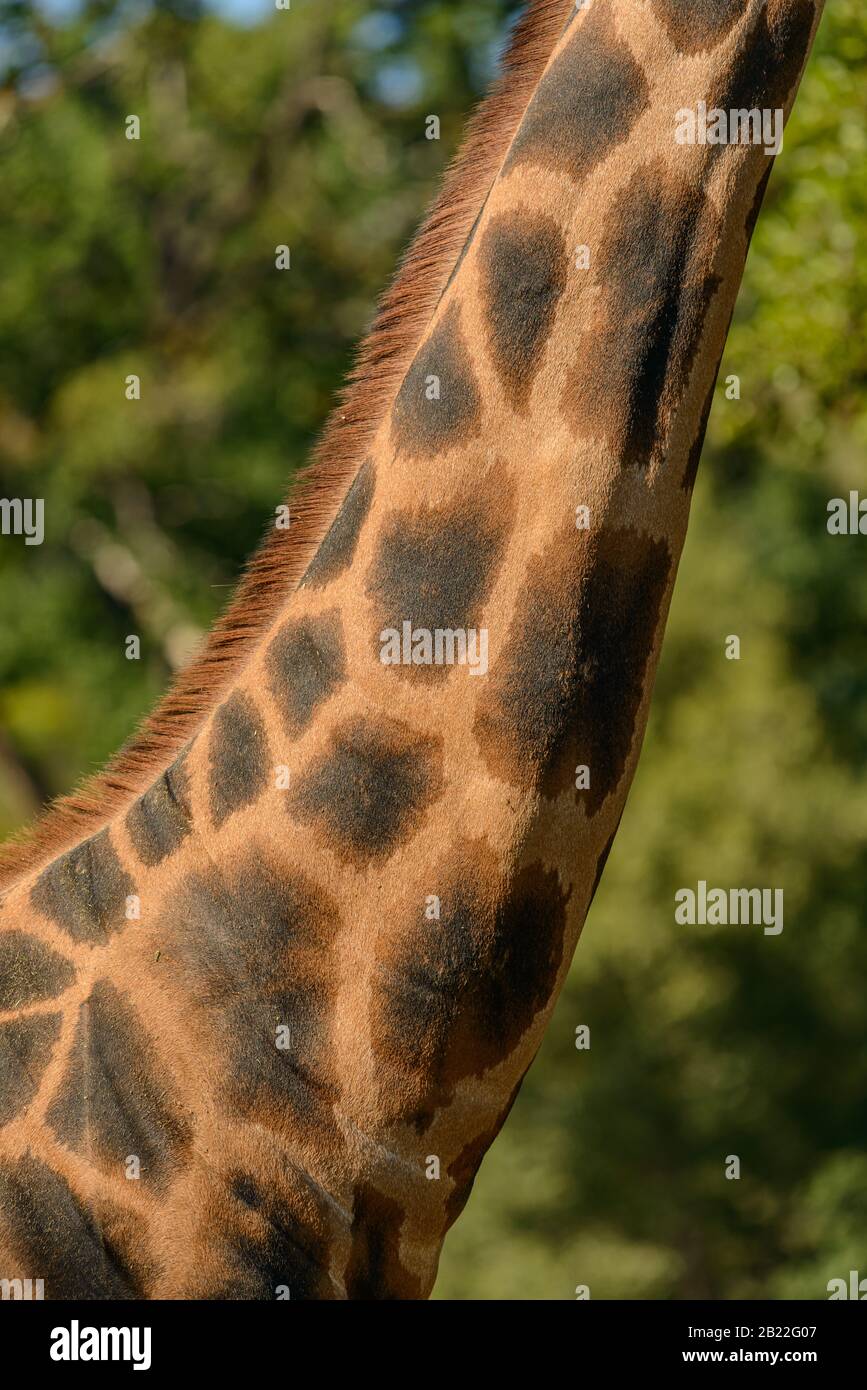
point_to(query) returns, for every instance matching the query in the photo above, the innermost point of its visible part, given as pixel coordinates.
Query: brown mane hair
(278, 564)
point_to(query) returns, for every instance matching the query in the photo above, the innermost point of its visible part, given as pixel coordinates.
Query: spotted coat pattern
(257, 1033)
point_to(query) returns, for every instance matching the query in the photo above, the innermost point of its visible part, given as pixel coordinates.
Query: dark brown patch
(585, 105)
(85, 891)
(30, 971)
(452, 998)
(244, 1189)
(694, 457)
(375, 1271)
(369, 791)
(423, 426)
(602, 861)
(82, 1250)
(770, 57)
(258, 951)
(239, 757)
(405, 310)
(567, 690)
(434, 567)
(25, 1051)
(306, 663)
(524, 272)
(695, 28)
(756, 207)
(116, 1098)
(338, 548)
(161, 819)
(277, 1240)
(654, 266)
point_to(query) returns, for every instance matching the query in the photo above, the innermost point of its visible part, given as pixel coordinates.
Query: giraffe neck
(294, 989)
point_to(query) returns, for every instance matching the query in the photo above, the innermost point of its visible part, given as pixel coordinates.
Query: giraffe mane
(319, 490)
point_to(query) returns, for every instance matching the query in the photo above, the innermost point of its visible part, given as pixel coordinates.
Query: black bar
(256, 1338)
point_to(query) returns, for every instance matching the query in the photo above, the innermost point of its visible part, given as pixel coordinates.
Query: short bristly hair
(404, 313)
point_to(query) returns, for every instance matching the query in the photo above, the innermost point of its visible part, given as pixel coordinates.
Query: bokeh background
(157, 257)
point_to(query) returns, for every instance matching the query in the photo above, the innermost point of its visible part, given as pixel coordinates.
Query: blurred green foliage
(157, 257)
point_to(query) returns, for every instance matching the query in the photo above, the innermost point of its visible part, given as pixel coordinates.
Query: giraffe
(270, 984)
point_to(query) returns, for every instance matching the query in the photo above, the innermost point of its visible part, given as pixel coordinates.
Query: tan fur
(408, 1053)
(284, 555)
